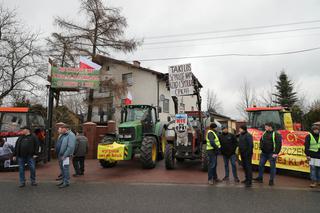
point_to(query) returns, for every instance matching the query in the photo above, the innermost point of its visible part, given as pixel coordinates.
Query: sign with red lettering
(291, 156)
(69, 77)
(181, 122)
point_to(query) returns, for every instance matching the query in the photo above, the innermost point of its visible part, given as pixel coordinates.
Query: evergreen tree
(285, 95)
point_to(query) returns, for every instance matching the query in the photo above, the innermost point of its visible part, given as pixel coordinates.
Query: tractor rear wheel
(149, 152)
(204, 158)
(107, 164)
(169, 156)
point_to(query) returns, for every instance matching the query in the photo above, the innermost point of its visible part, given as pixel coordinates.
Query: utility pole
(49, 114)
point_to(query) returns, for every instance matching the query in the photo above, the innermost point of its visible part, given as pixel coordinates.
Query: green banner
(70, 77)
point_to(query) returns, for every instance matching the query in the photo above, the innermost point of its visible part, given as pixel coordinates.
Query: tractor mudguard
(114, 152)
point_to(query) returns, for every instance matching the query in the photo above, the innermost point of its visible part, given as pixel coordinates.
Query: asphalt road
(149, 197)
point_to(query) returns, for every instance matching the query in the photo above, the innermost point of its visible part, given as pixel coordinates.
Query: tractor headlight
(121, 136)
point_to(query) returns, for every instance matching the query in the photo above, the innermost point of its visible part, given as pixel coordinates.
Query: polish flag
(86, 63)
(128, 99)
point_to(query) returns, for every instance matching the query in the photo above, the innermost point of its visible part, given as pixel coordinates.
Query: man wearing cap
(246, 151)
(229, 145)
(65, 148)
(213, 146)
(25, 152)
(270, 145)
(312, 150)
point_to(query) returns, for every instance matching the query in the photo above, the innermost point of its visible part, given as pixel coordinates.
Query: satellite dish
(162, 97)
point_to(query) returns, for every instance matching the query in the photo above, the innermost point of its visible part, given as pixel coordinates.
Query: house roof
(221, 116)
(100, 59)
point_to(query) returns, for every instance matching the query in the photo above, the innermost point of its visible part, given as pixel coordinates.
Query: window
(259, 118)
(11, 122)
(166, 105)
(127, 79)
(36, 120)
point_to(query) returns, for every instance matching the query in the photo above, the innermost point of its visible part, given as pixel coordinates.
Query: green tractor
(140, 133)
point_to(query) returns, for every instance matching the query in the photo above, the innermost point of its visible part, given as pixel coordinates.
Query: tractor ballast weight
(140, 132)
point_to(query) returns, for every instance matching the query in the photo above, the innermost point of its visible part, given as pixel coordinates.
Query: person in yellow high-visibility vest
(312, 150)
(213, 146)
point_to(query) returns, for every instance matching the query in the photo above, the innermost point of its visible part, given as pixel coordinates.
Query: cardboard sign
(181, 80)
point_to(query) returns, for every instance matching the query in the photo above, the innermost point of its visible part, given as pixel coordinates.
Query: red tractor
(292, 155)
(11, 120)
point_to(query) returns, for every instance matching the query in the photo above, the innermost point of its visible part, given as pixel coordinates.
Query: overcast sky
(224, 75)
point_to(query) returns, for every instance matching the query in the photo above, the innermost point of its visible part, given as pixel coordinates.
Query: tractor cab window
(134, 114)
(36, 120)
(258, 119)
(12, 122)
(153, 115)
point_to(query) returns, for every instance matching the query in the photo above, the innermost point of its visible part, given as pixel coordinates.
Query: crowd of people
(74, 146)
(229, 145)
(70, 145)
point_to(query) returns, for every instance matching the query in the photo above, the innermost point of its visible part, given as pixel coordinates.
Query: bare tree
(247, 99)
(62, 49)
(213, 103)
(102, 31)
(20, 57)
(267, 97)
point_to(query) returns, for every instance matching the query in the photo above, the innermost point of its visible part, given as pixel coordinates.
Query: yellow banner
(290, 158)
(113, 152)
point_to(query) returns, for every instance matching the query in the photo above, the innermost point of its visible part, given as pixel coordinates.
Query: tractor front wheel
(169, 156)
(107, 164)
(149, 152)
(204, 158)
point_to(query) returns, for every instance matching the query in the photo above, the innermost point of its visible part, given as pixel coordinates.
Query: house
(121, 80)
(225, 120)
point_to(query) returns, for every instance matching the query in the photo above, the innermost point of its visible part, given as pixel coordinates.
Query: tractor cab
(280, 117)
(143, 117)
(11, 120)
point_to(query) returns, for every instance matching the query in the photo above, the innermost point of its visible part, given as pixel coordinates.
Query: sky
(224, 75)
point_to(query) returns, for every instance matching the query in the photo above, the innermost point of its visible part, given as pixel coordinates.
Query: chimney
(136, 63)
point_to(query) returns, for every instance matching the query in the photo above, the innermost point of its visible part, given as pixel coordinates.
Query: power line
(233, 30)
(231, 36)
(233, 54)
(229, 42)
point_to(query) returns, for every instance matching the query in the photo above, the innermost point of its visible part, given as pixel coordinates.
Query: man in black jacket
(229, 145)
(25, 152)
(246, 151)
(270, 145)
(312, 150)
(80, 151)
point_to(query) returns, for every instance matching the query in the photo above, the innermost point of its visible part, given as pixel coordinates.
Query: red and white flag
(86, 63)
(128, 99)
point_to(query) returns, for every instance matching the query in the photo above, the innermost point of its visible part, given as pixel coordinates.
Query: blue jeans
(263, 159)
(212, 167)
(232, 159)
(22, 161)
(64, 169)
(315, 173)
